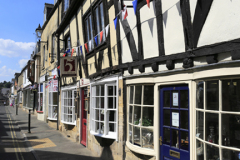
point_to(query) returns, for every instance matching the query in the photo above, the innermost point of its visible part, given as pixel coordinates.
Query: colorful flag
(54, 76)
(124, 13)
(101, 35)
(81, 50)
(106, 29)
(135, 5)
(115, 22)
(96, 40)
(72, 52)
(64, 54)
(148, 3)
(58, 67)
(67, 51)
(90, 44)
(77, 51)
(86, 46)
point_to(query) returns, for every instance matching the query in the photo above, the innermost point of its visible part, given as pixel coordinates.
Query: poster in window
(55, 86)
(68, 67)
(175, 99)
(175, 119)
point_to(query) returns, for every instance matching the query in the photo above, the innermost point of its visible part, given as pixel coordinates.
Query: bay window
(104, 105)
(52, 99)
(218, 119)
(68, 106)
(141, 115)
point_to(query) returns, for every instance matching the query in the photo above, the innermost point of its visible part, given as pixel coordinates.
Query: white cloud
(11, 48)
(22, 62)
(7, 72)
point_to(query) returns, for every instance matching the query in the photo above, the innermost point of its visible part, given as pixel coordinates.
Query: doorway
(84, 108)
(174, 123)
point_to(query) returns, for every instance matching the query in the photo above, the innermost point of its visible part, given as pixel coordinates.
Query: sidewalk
(47, 143)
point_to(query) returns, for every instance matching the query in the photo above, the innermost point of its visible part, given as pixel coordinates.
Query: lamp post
(38, 32)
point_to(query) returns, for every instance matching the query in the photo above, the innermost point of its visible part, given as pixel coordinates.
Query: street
(12, 143)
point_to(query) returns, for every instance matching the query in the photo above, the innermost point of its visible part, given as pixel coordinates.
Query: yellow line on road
(13, 137)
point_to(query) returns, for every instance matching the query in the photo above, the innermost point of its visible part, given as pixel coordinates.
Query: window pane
(97, 129)
(184, 99)
(87, 28)
(231, 95)
(112, 116)
(102, 20)
(148, 95)
(102, 102)
(200, 95)
(166, 120)
(112, 127)
(138, 94)
(130, 133)
(102, 128)
(231, 130)
(55, 100)
(230, 154)
(199, 124)
(97, 114)
(212, 152)
(101, 115)
(166, 99)
(175, 99)
(147, 116)
(55, 112)
(131, 94)
(184, 119)
(175, 138)
(110, 102)
(97, 90)
(136, 132)
(200, 150)
(184, 140)
(166, 136)
(102, 90)
(147, 138)
(110, 90)
(97, 23)
(137, 115)
(97, 102)
(91, 32)
(130, 113)
(211, 129)
(212, 95)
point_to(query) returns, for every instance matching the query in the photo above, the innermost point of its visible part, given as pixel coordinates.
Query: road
(12, 143)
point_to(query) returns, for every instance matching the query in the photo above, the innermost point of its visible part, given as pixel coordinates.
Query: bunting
(58, 67)
(115, 22)
(101, 35)
(72, 52)
(148, 3)
(90, 44)
(124, 13)
(107, 29)
(96, 40)
(77, 51)
(86, 47)
(81, 50)
(64, 54)
(54, 76)
(135, 6)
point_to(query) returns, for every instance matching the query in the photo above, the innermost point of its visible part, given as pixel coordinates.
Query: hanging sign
(175, 119)
(68, 67)
(175, 99)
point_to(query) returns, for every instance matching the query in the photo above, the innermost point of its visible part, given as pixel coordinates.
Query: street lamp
(39, 34)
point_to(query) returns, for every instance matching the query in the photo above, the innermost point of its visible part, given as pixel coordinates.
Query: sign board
(175, 119)
(68, 67)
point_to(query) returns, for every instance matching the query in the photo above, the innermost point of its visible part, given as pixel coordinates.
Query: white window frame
(107, 134)
(50, 101)
(64, 96)
(220, 112)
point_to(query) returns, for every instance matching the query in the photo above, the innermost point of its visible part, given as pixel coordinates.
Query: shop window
(40, 98)
(94, 24)
(52, 99)
(218, 119)
(68, 107)
(104, 110)
(141, 115)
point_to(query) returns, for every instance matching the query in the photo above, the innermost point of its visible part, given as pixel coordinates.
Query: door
(84, 101)
(174, 123)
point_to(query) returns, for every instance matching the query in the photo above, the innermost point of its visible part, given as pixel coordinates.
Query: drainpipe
(58, 57)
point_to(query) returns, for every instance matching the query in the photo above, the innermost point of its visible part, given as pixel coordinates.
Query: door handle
(160, 140)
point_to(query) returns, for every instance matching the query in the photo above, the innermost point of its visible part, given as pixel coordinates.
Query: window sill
(141, 150)
(69, 123)
(52, 119)
(113, 136)
(39, 111)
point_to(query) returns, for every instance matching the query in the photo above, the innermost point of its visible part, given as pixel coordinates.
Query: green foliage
(147, 122)
(5, 84)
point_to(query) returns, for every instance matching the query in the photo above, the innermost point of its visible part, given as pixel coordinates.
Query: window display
(52, 99)
(40, 98)
(218, 119)
(141, 115)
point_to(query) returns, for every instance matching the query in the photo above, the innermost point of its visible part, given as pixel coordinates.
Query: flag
(148, 3)
(101, 35)
(115, 22)
(77, 51)
(67, 51)
(81, 50)
(86, 46)
(58, 67)
(64, 54)
(96, 40)
(46, 86)
(90, 44)
(54, 76)
(135, 5)
(124, 13)
(72, 52)
(106, 29)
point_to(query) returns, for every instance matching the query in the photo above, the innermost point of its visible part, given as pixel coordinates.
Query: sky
(18, 21)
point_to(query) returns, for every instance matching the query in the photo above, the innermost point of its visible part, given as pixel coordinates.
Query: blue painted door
(174, 123)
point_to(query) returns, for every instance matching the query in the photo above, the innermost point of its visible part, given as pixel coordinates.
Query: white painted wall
(222, 23)
(172, 27)
(26, 82)
(149, 31)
